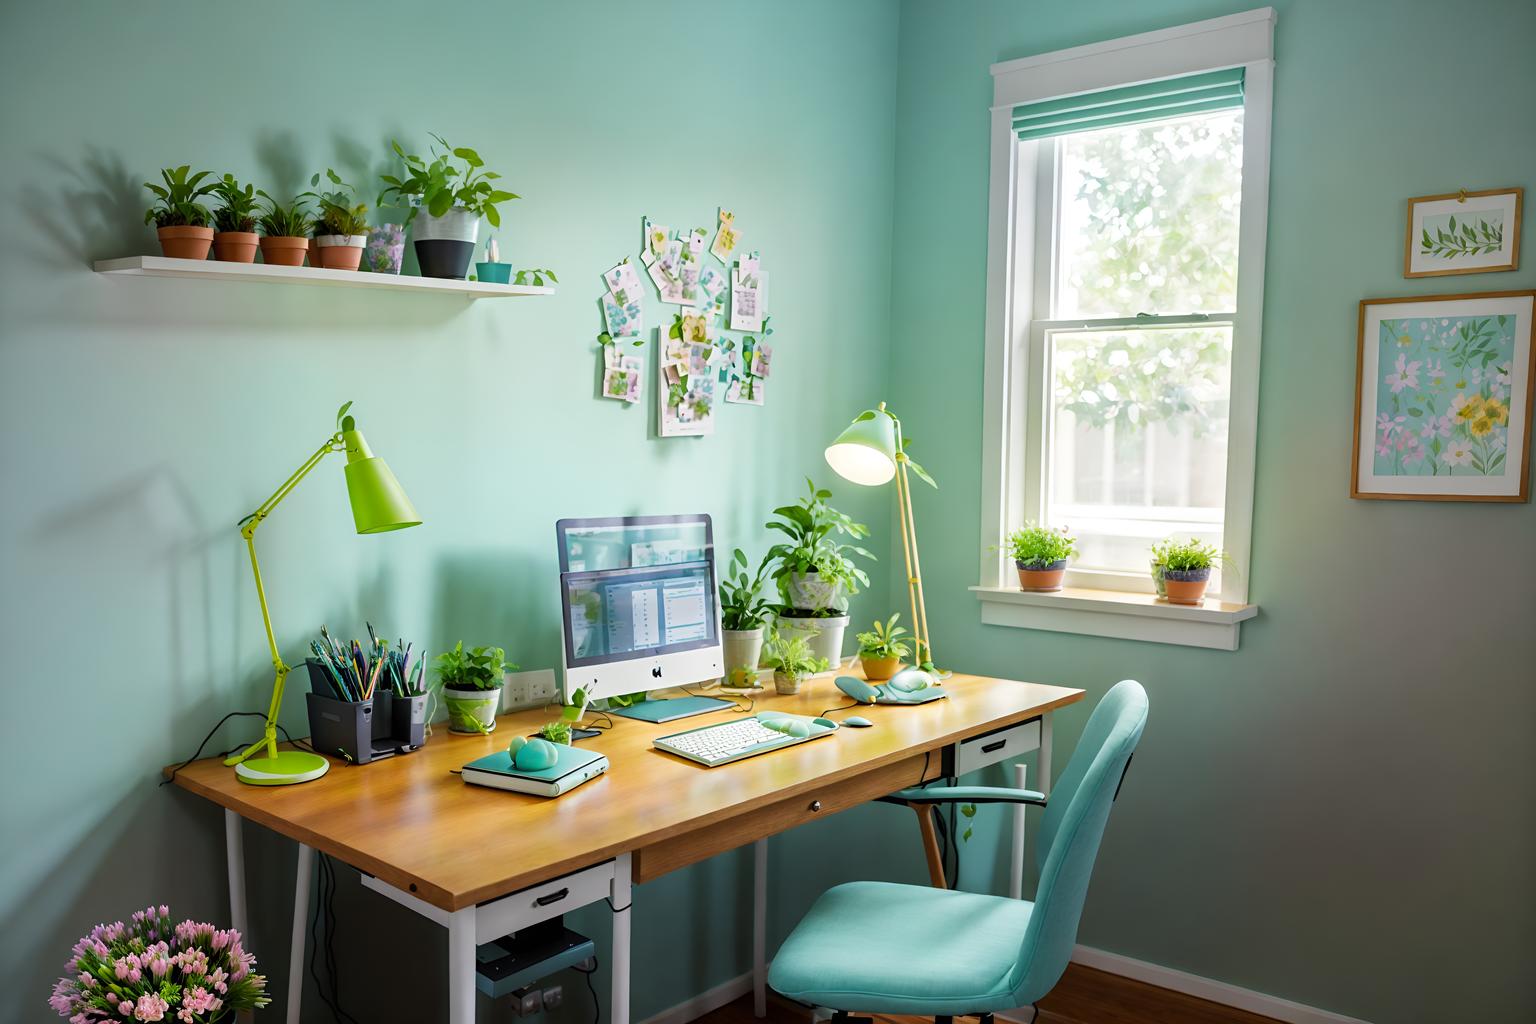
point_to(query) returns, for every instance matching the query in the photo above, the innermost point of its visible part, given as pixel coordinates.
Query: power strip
(532, 689)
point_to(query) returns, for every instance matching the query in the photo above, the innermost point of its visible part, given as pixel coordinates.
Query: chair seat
(881, 947)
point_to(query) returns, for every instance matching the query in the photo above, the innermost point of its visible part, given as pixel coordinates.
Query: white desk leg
(1016, 869)
(234, 850)
(461, 966)
(1045, 754)
(300, 924)
(760, 928)
(622, 895)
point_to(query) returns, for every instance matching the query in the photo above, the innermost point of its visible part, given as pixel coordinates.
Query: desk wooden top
(409, 822)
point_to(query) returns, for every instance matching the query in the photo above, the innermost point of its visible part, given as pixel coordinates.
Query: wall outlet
(526, 1002)
(553, 997)
(532, 689)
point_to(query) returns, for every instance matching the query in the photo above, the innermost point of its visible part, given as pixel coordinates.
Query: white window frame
(1019, 264)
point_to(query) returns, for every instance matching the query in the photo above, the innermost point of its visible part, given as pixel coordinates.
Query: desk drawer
(698, 844)
(1004, 744)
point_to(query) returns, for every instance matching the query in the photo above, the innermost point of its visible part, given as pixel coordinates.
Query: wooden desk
(457, 853)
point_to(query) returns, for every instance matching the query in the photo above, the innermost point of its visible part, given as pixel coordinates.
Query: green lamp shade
(865, 453)
(379, 503)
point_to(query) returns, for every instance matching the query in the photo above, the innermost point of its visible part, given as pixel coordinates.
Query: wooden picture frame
(1443, 397)
(1485, 239)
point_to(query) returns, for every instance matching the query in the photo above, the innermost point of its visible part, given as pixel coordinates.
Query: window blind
(1131, 104)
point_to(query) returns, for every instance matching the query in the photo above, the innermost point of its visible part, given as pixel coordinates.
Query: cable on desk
(739, 708)
(199, 753)
(850, 707)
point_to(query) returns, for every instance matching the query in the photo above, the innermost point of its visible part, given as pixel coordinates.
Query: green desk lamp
(378, 506)
(872, 452)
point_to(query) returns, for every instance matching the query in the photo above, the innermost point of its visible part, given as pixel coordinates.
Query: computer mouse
(857, 723)
(858, 689)
(910, 680)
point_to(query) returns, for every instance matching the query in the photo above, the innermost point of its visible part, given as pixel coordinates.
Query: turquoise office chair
(881, 947)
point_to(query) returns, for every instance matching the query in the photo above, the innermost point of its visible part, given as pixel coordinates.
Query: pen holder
(362, 731)
(408, 718)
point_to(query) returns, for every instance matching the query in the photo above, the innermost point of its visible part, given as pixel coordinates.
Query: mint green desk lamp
(379, 505)
(872, 452)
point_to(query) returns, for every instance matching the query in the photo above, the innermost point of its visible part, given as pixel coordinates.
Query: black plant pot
(443, 257)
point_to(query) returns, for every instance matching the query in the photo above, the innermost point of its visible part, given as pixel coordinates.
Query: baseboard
(1203, 988)
(727, 991)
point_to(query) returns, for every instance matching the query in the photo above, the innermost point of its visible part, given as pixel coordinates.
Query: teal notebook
(572, 767)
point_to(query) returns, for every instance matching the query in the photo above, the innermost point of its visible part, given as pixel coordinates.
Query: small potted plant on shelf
(447, 195)
(491, 269)
(1040, 554)
(341, 225)
(882, 648)
(234, 222)
(815, 571)
(1187, 569)
(744, 614)
(471, 682)
(792, 660)
(284, 232)
(180, 221)
(1158, 568)
(385, 250)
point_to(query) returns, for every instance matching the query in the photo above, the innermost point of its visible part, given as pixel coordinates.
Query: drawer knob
(815, 806)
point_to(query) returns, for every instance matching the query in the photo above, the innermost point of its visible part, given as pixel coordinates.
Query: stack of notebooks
(573, 767)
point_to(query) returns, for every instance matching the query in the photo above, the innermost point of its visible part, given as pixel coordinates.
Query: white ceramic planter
(825, 635)
(743, 650)
(808, 592)
(445, 245)
(471, 711)
(326, 241)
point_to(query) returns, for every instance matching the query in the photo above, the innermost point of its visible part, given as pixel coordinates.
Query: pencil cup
(408, 716)
(383, 717)
(344, 729)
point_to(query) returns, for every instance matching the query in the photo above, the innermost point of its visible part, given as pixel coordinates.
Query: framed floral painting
(1463, 233)
(1443, 398)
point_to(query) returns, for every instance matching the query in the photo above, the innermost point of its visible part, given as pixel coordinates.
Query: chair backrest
(1068, 840)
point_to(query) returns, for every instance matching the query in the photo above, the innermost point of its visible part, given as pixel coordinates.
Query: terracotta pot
(185, 243)
(339, 252)
(1186, 586)
(1042, 578)
(236, 246)
(284, 250)
(878, 670)
(787, 685)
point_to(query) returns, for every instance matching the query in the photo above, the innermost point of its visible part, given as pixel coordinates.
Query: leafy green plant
(1186, 557)
(556, 732)
(441, 184)
(479, 668)
(176, 202)
(339, 211)
(1036, 547)
(237, 206)
(885, 640)
(742, 605)
(813, 527)
(791, 656)
(279, 221)
(537, 275)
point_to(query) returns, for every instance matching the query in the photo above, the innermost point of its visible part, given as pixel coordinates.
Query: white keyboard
(728, 741)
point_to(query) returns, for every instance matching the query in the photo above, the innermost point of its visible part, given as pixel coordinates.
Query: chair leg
(843, 1017)
(931, 849)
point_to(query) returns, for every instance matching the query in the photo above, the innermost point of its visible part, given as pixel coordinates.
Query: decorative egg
(536, 755)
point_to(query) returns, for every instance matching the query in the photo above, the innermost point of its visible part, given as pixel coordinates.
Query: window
(1124, 299)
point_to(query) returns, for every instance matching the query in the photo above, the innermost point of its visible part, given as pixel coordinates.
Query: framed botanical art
(1443, 398)
(1463, 233)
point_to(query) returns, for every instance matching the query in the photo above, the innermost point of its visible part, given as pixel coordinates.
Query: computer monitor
(638, 604)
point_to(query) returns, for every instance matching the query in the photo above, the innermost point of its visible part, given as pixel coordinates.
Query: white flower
(1456, 454)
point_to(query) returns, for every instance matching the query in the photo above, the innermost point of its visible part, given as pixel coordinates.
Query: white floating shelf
(218, 270)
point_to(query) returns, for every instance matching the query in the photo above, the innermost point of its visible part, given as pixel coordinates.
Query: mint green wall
(142, 418)
(1339, 812)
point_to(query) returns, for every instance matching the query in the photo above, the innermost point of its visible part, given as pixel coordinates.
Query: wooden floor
(1083, 996)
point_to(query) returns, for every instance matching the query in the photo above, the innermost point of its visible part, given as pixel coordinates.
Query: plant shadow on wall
(97, 211)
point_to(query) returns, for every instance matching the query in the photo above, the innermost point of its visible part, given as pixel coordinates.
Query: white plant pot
(471, 711)
(445, 245)
(825, 635)
(808, 592)
(326, 241)
(743, 650)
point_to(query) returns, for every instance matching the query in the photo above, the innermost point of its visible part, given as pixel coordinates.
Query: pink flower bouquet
(147, 970)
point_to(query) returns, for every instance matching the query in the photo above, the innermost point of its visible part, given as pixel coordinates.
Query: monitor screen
(618, 615)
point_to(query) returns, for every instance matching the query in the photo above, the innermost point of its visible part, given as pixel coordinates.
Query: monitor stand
(671, 708)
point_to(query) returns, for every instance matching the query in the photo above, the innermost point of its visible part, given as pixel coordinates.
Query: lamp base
(287, 768)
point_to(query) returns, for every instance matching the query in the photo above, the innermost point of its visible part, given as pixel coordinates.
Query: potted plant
(792, 660)
(1159, 566)
(284, 232)
(471, 682)
(491, 269)
(341, 225)
(150, 969)
(447, 200)
(180, 221)
(882, 648)
(1040, 554)
(234, 222)
(744, 614)
(1187, 569)
(385, 250)
(815, 572)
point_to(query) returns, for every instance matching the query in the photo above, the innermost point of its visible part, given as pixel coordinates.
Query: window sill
(1112, 613)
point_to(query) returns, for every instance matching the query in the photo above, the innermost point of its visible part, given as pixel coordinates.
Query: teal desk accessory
(658, 711)
(909, 686)
(502, 770)
(379, 505)
(872, 452)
